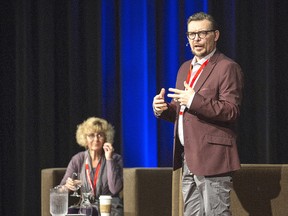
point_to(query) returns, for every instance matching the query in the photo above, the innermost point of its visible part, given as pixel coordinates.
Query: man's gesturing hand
(159, 104)
(182, 96)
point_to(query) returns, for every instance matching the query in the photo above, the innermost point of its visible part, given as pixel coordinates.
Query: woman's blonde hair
(94, 125)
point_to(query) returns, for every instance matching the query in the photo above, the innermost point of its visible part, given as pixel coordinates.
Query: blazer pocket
(217, 140)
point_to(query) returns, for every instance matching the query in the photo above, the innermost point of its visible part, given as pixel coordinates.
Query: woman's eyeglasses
(99, 136)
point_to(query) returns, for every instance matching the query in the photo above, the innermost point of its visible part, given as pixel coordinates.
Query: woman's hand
(72, 185)
(108, 149)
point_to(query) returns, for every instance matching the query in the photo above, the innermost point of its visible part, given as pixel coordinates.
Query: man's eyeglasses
(99, 136)
(201, 34)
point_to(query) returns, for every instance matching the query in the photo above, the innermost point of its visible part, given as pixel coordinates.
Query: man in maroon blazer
(205, 107)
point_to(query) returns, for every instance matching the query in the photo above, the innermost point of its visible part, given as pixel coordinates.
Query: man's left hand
(182, 96)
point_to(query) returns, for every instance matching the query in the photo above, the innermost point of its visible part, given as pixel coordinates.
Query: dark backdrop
(63, 61)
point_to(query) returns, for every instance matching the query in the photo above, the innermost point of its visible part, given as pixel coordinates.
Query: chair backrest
(50, 177)
(259, 189)
(147, 191)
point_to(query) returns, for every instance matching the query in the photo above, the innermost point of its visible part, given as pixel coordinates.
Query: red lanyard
(93, 186)
(193, 79)
(196, 75)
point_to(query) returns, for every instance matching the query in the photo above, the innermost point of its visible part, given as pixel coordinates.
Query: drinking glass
(75, 176)
(58, 201)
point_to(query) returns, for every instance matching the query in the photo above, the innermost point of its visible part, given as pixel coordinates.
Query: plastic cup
(105, 205)
(58, 201)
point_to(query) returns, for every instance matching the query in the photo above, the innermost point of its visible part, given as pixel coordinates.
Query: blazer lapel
(206, 72)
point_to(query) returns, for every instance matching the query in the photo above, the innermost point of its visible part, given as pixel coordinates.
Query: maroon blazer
(210, 123)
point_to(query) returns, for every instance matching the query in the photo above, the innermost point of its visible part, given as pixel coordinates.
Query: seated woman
(99, 169)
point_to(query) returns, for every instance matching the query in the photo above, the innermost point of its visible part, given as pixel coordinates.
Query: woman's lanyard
(92, 185)
(191, 81)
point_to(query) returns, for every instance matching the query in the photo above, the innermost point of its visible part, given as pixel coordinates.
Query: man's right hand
(159, 104)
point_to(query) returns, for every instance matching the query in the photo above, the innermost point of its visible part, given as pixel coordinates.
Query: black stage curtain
(50, 51)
